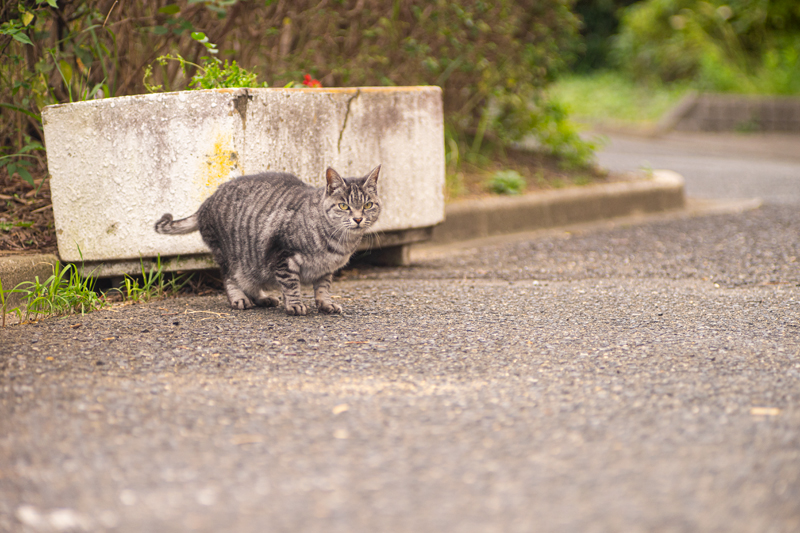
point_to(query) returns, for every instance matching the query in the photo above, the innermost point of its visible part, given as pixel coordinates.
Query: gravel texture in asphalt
(642, 377)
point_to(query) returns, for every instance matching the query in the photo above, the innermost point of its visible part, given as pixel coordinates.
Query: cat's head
(352, 203)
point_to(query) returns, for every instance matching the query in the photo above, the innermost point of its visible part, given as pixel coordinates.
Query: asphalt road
(729, 165)
(642, 375)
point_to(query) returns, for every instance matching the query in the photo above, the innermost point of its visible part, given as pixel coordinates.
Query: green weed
(20, 162)
(154, 284)
(506, 182)
(4, 303)
(65, 292)
(211, 74)
(7, 226)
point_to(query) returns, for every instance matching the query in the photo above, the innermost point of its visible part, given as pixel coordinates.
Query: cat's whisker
(370, 239)
(377, 237)
(344, 233)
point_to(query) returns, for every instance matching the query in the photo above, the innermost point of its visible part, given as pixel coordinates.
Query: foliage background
(600, 20)
(744, 46)
(492, 58)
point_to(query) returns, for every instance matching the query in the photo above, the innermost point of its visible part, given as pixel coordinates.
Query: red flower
(311, 83)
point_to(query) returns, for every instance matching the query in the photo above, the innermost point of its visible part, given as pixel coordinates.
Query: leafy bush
(600, 21)
(492, 58)
(734, 45)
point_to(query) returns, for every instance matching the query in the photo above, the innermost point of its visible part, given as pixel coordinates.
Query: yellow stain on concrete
(218, 166)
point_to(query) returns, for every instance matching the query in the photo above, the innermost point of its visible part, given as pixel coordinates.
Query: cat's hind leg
(265, 300)
(323, 298)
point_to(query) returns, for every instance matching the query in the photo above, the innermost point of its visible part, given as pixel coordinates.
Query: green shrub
(599, 22)
(735, 45)
(492, 58)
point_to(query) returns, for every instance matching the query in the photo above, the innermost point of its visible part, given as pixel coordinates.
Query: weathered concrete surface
(118, 164)
(470, 219)
(15, 269)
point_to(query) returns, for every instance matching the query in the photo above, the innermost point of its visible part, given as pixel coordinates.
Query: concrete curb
(15, 269)
(472, 219)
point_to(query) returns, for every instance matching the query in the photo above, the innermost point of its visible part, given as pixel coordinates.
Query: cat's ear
(372, 178)
(334, 180)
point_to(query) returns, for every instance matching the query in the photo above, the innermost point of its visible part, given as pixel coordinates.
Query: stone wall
(727, 112)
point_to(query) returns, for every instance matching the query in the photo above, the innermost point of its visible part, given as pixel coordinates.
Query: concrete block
(118, 164)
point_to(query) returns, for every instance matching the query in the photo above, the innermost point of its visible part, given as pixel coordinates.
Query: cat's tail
(176, 227)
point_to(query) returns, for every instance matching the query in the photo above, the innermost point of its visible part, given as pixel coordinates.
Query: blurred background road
(715, 165)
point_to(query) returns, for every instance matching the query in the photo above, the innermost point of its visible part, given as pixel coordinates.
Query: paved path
(638, 375)
(716, 165)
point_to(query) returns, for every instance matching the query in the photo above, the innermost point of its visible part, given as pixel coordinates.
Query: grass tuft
(154, 284)
(613, 97)
(506, 182)
(66, 292)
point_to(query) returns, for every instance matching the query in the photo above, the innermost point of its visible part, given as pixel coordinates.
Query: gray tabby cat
(272, 228)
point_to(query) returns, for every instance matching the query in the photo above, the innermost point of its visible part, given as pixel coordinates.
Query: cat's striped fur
(272, 229)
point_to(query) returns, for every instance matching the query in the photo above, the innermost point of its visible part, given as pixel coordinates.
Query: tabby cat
(272, 229)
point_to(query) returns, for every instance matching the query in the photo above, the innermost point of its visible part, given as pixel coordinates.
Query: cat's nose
(357, 220)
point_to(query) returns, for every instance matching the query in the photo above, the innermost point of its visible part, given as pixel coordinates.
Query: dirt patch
(26, 214)
(539, 172)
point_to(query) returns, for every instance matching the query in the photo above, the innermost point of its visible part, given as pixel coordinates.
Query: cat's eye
(367, 205)
(344, 207)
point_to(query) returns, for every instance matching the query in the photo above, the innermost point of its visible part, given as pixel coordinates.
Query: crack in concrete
(240, 106)
(346, 116)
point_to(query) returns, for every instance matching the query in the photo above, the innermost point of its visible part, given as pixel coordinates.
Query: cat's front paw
(296, 309)
(328, 308)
